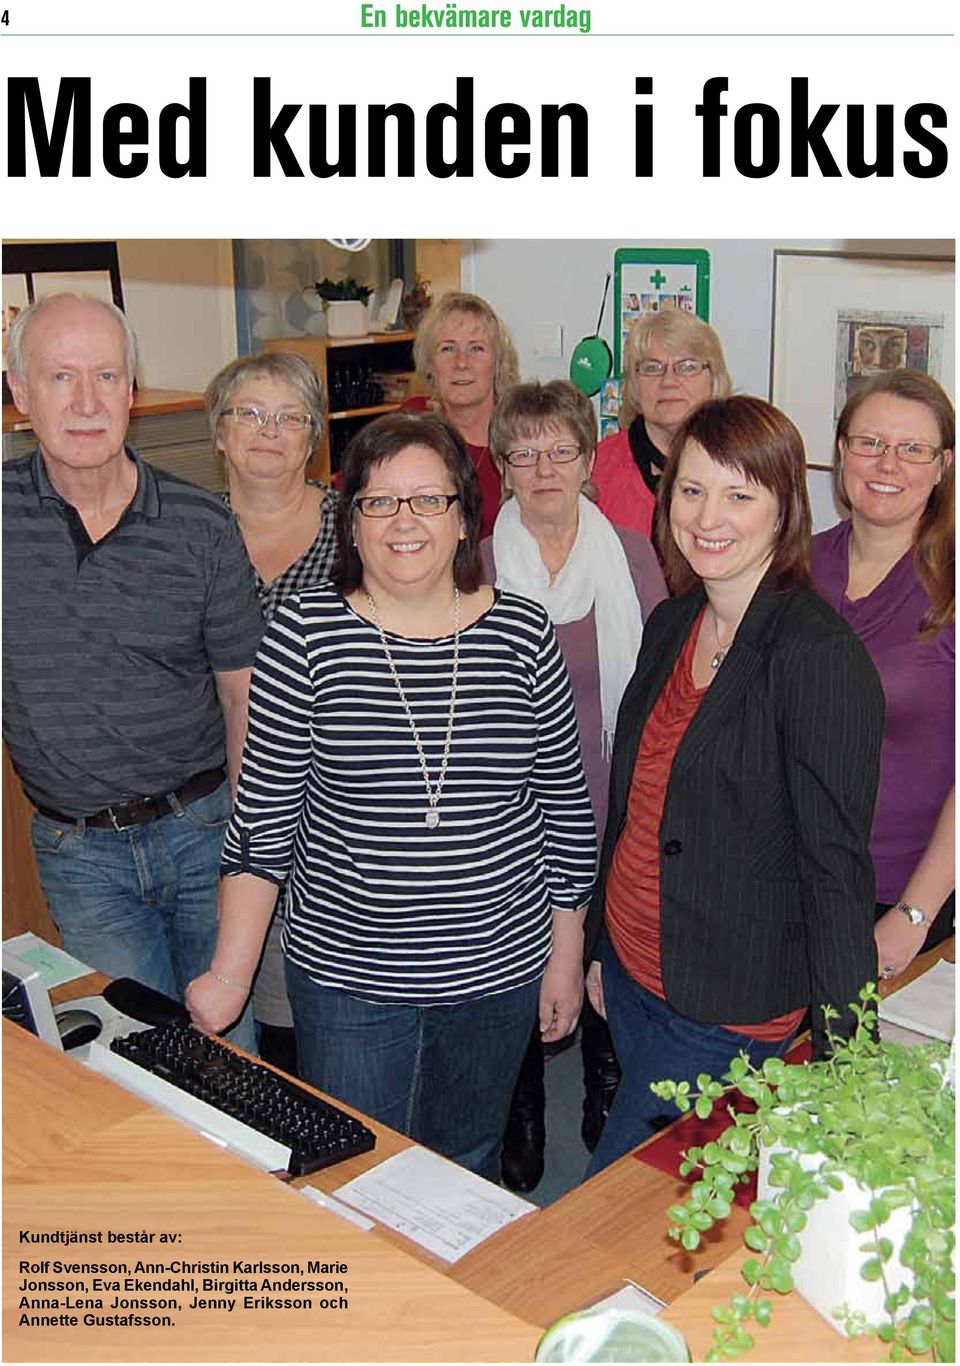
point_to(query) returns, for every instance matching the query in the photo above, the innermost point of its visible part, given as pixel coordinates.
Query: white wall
(179, 296)
(541, 281)
(536, 280)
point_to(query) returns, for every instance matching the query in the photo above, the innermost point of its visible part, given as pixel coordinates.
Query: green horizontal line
(475, 33)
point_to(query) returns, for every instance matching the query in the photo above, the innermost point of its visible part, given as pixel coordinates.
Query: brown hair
(933, 538)
(506, 368)
(753, 436)
(678, 331)
(527, 410)
(380, 441)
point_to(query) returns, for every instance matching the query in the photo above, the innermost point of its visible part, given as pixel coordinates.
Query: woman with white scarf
(599, 582)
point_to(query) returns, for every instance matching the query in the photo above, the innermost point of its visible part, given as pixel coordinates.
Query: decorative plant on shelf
(880, 1115)
(342, 291)
(345, 306)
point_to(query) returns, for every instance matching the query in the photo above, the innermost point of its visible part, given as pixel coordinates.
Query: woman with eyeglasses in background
(599, 583)
(266, 418)
(888, 569)
(412, 772)
(672, 361)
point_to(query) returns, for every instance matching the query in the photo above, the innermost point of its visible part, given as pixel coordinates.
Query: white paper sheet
(447, 1210)
(927, 1005)
(631, 1296)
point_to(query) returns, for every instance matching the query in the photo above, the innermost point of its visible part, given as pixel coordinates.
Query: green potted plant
(345, 305)
(856, 1167)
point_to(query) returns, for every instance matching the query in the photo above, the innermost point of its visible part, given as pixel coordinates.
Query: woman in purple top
(889, 571)
(599, 583)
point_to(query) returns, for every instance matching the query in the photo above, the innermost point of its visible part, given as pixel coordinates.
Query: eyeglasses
(525, 456)
(423, 504)
(250, 416)
(686, 369)
(912, 452)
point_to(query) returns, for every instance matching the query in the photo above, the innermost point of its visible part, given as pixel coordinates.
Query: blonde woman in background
(466, 360)
(672, 362)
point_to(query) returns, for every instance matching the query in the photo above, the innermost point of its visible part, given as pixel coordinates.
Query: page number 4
(5, 17)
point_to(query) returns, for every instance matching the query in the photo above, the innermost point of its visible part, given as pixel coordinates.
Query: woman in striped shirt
(412, 762)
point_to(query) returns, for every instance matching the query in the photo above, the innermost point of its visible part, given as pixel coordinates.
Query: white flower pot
(346, 318)
(827, 1273)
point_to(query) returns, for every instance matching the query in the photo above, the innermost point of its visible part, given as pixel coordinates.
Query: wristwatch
(913, 913)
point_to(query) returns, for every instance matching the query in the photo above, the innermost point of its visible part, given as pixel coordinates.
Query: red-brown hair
(750, 435)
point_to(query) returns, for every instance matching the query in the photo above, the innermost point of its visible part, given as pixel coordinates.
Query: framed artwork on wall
(652, 280)
(839, 318)
(32, 270)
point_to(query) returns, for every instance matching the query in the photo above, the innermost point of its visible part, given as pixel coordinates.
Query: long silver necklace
(432, 814)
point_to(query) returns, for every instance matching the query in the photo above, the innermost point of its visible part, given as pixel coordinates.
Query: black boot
(277, 1044)
(601, 1074)
(521, 1161)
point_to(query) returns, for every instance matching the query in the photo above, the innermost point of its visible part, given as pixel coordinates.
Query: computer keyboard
(239, 1104)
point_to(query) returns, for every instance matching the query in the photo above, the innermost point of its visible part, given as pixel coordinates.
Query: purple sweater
(578, 645)
(916, 761)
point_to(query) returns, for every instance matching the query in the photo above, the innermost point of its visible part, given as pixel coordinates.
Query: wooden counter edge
(146, 403)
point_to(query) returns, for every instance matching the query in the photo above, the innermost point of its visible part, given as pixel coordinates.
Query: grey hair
(277, 365)
(17, 332)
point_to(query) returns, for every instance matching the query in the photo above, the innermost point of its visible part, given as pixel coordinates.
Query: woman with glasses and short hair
(412, 772)
(599, 583)
(888, 569)
(672, 361)
(266, 419)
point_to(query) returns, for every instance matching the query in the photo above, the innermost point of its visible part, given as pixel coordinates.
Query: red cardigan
(490, 486)
(624, 497)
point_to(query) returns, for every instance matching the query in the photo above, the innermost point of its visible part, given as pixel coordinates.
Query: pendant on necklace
(718, 658)
(432, 818)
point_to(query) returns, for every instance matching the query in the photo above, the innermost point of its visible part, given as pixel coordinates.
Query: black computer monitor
(26, 1000)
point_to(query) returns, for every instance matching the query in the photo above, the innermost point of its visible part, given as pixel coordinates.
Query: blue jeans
(442, 1074)
(140, 902)
(654, 1043)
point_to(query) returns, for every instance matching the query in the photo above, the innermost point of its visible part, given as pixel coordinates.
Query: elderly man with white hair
(130, 624)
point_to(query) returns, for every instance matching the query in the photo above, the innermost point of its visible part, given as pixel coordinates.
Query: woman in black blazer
(736, 886)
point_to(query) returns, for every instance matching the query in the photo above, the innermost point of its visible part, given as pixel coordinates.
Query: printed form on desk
(926, 1005)
(55, 966)
(446, 1209)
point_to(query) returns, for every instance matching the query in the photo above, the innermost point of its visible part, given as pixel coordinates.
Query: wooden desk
(146, 403)
(796, 1332)
(614, 1227)
(83, 1155)
(24, 905)
(555, 1260)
